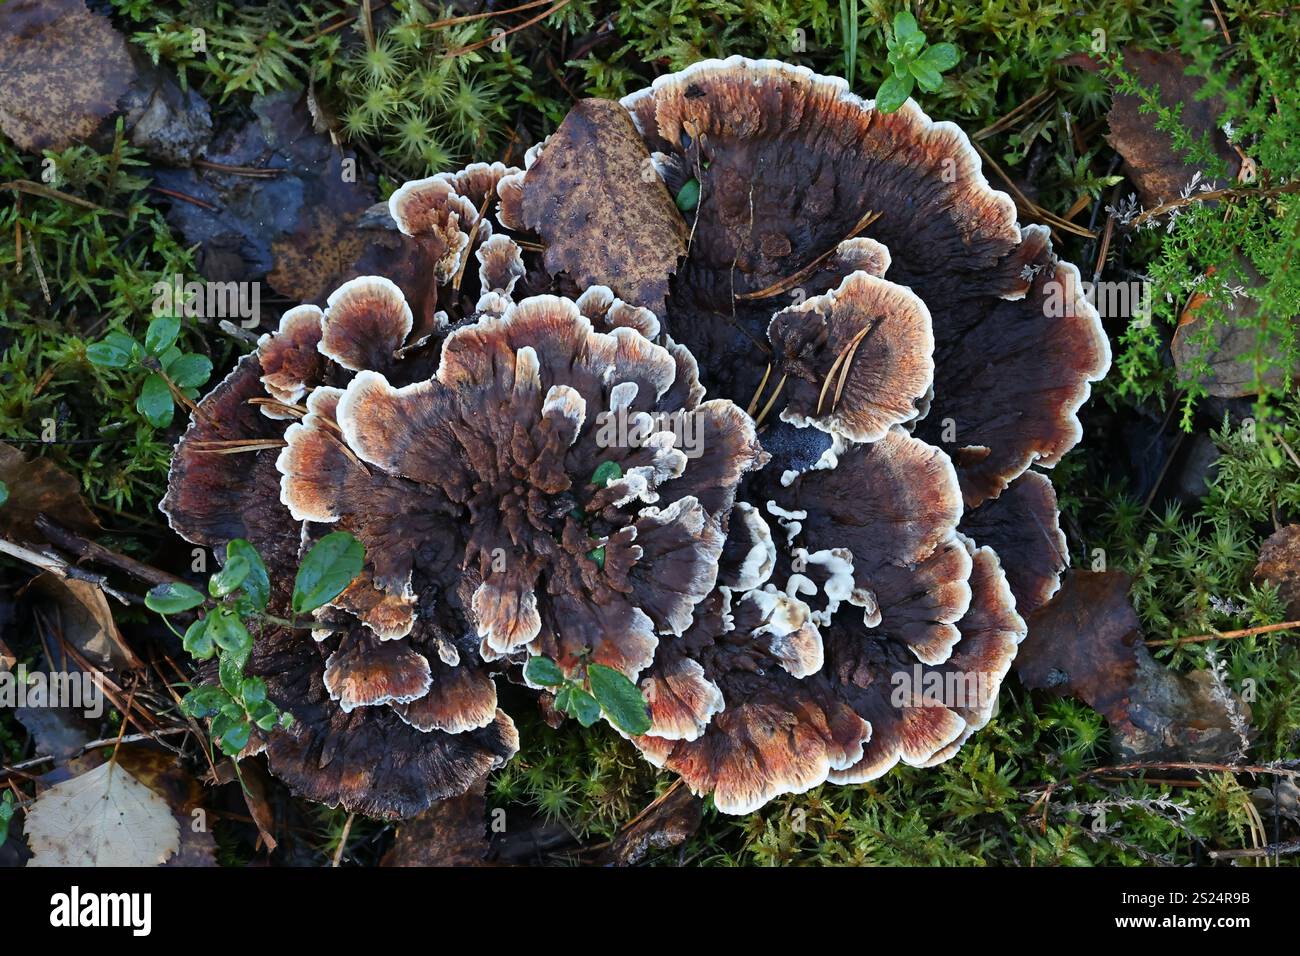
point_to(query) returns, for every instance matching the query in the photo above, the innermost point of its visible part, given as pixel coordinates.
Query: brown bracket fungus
(816, 574)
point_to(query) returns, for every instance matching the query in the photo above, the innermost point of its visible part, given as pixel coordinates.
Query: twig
(96, 744)
(343, 840)
(184, 197)
(469, 18)
(1228, 192)
(492, 38)
(1272, 849)
(257, 172)
(1226, 635)
(1009, 118)
(1028, 205)
(48, 561)
(231, 329)
(91, 551)
(49, 192)
(1140, 767)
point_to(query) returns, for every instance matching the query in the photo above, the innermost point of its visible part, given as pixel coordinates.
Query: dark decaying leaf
(1087, 643)
(321, 246)
(59, 732)
(452, 832)
(35, 487)
(296, 228)
(605, 216)
(85, 621)
(1279, 564)
(1156, 168)
(1229, 338)
(62, 70)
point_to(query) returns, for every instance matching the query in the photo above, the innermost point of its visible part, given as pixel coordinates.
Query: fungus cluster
(776, 471)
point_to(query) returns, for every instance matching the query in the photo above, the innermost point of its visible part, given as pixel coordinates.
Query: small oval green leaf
(620, 699)
(205, 701)
(543, 672)
(329, 567)
(893, 93)
(160, 335)
(941, 56)
(257, 585)
(229, 633)
(197, 641)
(114, 350)
(189, 370)
(688, 197)
(172, 598)
(229, 577)
(584, 707)
(155, 401)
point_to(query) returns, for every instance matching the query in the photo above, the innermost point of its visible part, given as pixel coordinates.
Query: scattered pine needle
(236, 446)
(771, 401)
(758, 392)
(784, 285)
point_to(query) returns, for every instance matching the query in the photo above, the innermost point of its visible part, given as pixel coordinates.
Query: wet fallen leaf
(1087, 643)
(452, 832)
(602, 218)
(324, 242)
(669, 821)
(294, 228)
(38, 486)
(373, 246)
(104, 817)
(1150, 160)
(58, 732)
(1279, 564)
(82, 614)
(1228, 344)
(62, 70)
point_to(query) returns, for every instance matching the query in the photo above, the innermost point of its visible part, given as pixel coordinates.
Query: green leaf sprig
(913, 63)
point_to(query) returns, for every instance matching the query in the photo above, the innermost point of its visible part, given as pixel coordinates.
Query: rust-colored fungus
(816, 573)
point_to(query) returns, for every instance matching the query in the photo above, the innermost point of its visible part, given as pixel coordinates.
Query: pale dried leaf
(105, 817)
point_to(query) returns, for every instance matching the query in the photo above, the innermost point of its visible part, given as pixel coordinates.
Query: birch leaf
(105, 817)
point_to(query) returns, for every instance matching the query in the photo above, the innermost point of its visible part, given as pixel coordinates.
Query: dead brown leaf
(1233, 338)
(1279, 564)
(603, 219)
(38, 486)
(1156, 168)
(1087, 643)
(86, 622)
(62, 70)
(452, 832)
(324, 242)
